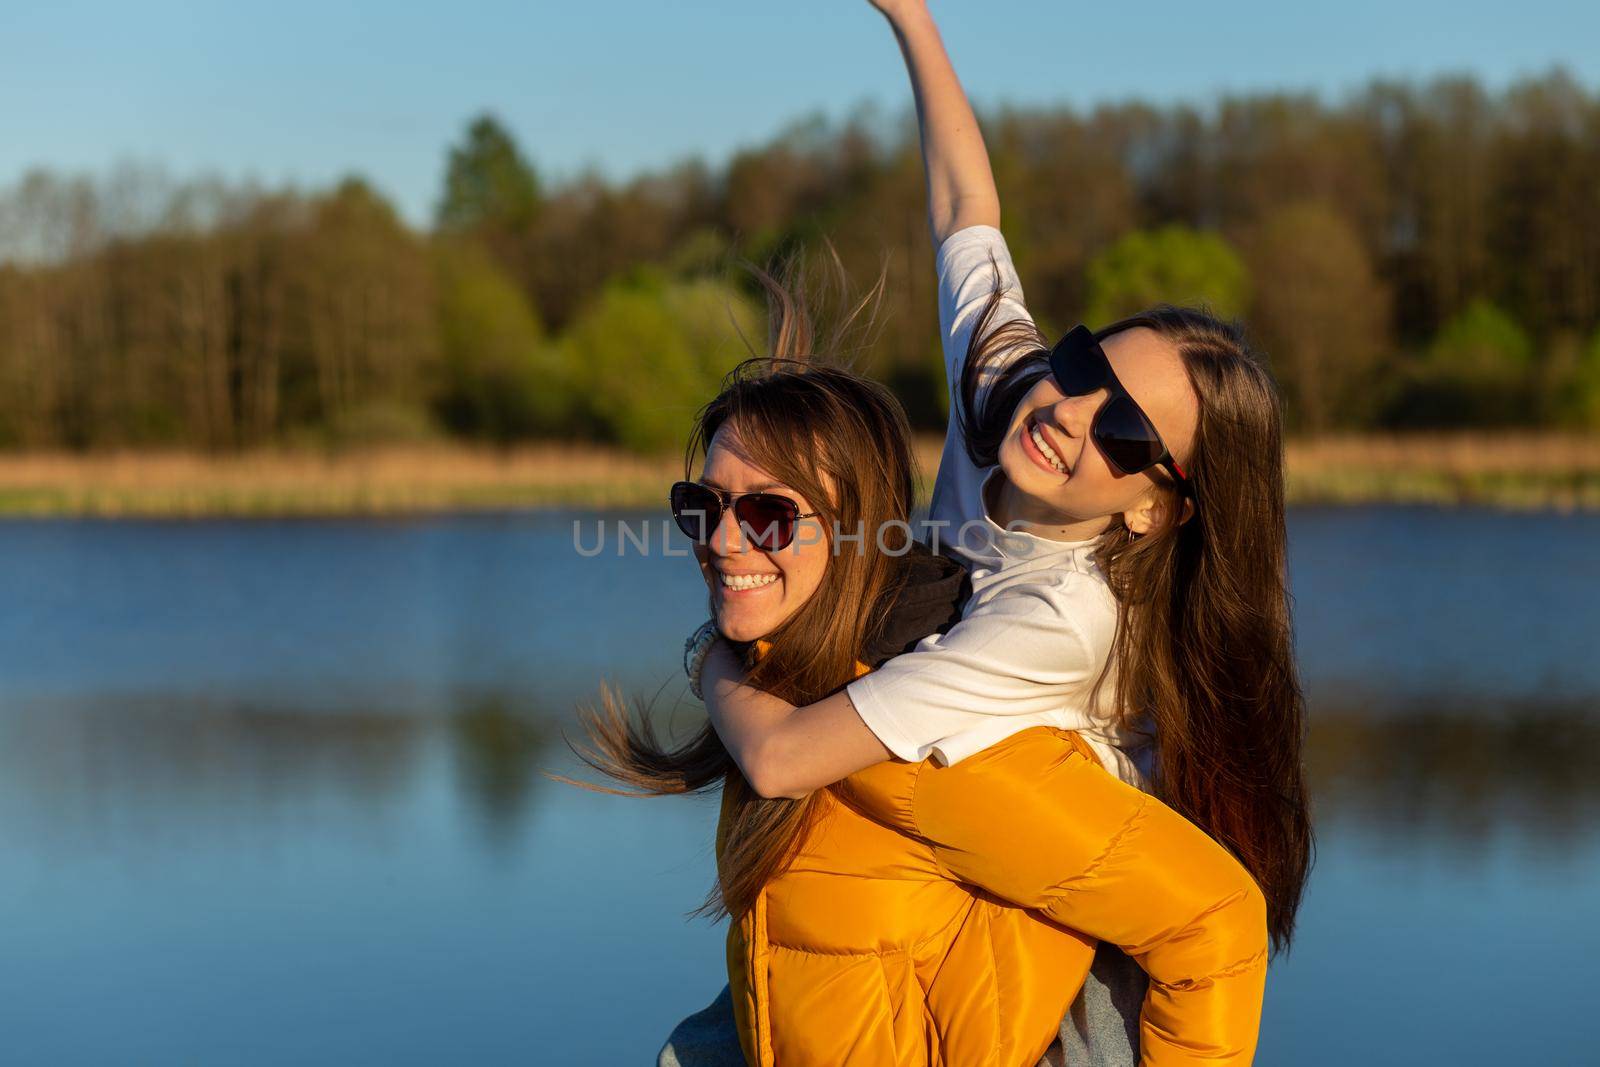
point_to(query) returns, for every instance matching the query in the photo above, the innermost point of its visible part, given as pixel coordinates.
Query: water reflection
(172, 770)
(169, 769)
(498, 754)
(1436, 774)
(1456, 777)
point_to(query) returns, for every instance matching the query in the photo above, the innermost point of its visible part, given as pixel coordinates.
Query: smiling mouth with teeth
(746, 581)
(1044, 448)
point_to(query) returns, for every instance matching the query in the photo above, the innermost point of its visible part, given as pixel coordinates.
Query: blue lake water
(270, 792)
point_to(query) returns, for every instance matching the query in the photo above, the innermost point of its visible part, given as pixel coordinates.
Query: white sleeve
(1018, 654)
(965, 281)
(966, 278)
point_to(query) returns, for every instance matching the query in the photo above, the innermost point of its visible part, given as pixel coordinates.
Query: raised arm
(1022, 654)
(1037, 822)
(961, 190)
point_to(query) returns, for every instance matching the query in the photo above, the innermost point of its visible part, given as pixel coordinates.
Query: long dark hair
(1204, 645)
(807, 424)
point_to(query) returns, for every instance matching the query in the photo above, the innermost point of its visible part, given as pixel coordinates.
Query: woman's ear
(1151, 513)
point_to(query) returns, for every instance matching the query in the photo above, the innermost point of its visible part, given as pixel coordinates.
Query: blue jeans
(1101, 1029)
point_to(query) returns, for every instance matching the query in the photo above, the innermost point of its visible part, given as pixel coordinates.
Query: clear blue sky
(296, 91)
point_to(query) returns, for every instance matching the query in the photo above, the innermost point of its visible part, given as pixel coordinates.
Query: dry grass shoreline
(1521, 471)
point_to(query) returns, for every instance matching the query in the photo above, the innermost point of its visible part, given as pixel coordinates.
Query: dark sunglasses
(1121, 429)
(767, 519)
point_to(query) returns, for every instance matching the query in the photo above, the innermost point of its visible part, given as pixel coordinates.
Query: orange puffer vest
(948, 916)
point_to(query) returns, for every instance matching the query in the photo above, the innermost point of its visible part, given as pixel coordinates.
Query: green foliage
(497, 378)
(1478, 371)
(1320, 314)
(1482, 345)
(363, 283)
(1171, 265)
(702, 251)
(354, 205)
(1584, 397)
(487, 182)
(650, 351)
(138, 310)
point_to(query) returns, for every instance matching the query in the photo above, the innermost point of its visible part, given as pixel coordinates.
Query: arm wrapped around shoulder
(1036, 820)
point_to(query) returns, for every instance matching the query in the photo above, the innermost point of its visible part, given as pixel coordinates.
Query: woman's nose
(1074, 413)
(727, 538)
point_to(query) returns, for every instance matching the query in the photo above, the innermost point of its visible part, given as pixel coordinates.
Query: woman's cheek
(806, 570)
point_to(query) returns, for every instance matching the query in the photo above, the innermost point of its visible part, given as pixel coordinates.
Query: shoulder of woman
(1080, 601)
(980, 235)
(967, 260)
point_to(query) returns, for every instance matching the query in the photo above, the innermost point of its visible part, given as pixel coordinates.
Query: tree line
(1415, 255)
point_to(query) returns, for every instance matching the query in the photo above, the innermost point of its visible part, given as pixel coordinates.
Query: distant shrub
(1173, 265)
(1482, 344)
(497, 378)
(1584, 396)
(1479, 370)
(650, 350)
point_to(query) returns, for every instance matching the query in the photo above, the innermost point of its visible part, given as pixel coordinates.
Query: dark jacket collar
(934, 589)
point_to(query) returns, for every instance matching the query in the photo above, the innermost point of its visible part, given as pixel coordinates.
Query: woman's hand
(893, 9)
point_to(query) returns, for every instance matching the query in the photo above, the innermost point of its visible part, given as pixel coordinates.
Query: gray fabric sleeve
(705, 1039)
(1101, 1029)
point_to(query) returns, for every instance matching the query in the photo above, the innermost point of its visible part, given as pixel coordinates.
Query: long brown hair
(842, 441)
(1204, 644)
